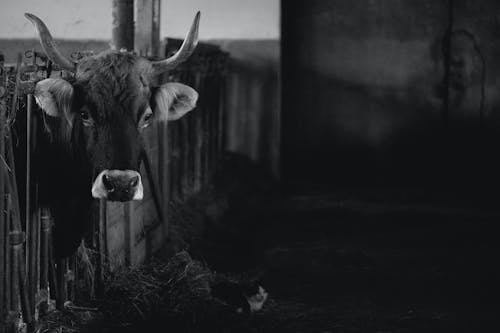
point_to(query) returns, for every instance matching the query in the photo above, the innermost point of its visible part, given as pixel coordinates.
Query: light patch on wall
(76, 19)
(373, 61)
(91, 19)
(256, 19)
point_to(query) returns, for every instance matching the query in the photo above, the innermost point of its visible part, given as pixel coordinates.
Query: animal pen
(180, 163)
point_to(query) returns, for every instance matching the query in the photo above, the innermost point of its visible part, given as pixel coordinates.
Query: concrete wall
(363, 92)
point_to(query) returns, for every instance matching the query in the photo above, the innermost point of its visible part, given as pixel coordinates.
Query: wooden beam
(123, 25)
(147, 28)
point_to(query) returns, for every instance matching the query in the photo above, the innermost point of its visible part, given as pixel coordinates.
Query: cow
(95, 121)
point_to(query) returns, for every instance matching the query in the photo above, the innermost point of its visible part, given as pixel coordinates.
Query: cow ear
(173, 100)
(54, 96)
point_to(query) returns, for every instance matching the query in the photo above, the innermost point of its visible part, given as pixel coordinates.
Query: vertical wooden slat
(127, 230)
(197, 135)
(26, 305)
(176, 188)
(52, 269)
(191, 120)
(8, 255)
(71, 280)
(44, 256)
(213, 112)
(3, 277)
(62, 292)
(31, 249)
(163, 174)
(184, 151)
(206, 132)
(222, 107)
(101, 246)
(152, 185)
(15, 262)
(15, 216)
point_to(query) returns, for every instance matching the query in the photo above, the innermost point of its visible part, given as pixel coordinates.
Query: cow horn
(183, 53)
(48, 44)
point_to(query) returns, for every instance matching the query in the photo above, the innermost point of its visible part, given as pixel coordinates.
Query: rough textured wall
(363, 92)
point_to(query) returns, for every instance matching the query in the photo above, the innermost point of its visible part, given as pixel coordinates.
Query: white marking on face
(98, 190)
(139, 192)
(257, 301)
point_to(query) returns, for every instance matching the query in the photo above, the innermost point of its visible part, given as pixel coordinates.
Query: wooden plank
(198, 139)
(206, 132)
(123, 25)
(127, 244)
(8, 255)
(31, 225)
(147, 27)
(184, 152)
(175, 161)
(44, 254)
(102, 246)
(163, 171)
(3, 109)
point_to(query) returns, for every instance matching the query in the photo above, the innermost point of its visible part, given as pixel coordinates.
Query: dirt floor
(353, 262)
(379, 268)
(344, 264)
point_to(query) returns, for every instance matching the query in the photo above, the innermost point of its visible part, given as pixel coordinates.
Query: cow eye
(85, 117)
(146, 118)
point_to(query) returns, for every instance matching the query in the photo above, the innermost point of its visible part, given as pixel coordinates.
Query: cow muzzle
(118, 185)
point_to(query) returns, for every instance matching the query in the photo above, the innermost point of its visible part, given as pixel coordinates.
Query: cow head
(109, 103)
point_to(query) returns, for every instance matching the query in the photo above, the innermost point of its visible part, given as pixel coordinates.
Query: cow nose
(108, 183)
(118, 185)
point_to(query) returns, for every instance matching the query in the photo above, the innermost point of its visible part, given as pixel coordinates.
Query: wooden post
(44, 257)
(127, 234)
(147, 28)
(198, 138)
(123, 25)
(102, 246)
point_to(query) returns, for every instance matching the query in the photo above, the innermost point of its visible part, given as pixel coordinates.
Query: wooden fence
(180, 161)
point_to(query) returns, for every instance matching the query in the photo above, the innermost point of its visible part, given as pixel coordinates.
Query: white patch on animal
(257, 301)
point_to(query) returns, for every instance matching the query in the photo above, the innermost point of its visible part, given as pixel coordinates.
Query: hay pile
(179, 287)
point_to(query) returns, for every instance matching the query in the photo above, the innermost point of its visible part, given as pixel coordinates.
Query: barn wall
(253, 101)
(363, 93)
(91, 19)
